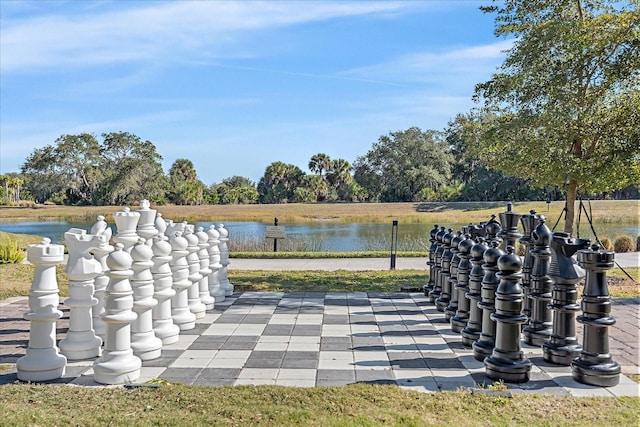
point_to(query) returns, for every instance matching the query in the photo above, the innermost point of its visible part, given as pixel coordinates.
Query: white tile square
(198, 354)
(335, 364)
(303, 346)
(296, 383)
(184, 341)
(336, 355)
(297, 374)
(233, 354)
(220, 329)
(181, 362)
(226, 363)
(271, 346)
(258, 373)
(255, 381)
(298, 339)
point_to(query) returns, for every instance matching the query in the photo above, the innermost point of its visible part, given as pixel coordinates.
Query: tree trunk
(572, 192)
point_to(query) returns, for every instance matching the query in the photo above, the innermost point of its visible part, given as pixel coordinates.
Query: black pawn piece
(443, 275)
(539, 329)
(437, 267)
(507, 362)
(483, 347)
(459, 321)
(472, 331)
(452, 307)
(432, 260)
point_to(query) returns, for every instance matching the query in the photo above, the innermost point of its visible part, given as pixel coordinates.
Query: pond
(313, 236)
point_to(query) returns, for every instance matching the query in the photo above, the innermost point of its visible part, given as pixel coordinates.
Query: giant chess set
(136, 292)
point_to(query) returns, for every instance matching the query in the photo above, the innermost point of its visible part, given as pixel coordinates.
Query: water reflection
(327, 236)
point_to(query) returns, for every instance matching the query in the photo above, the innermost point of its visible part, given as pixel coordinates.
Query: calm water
(331, 237)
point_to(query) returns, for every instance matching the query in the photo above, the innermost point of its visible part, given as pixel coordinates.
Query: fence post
(394, 243)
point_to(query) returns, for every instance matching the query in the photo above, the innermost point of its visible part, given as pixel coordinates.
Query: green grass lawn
(354, 405)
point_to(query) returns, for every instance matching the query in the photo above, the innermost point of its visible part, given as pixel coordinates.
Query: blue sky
(236, 85)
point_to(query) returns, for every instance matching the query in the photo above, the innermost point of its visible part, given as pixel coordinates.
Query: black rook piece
(595, 366)
(508, 362)
(565, 273)
(484, 345)
(539, 329)
(432, 260)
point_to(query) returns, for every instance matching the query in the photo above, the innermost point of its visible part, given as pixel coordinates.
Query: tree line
(559, 119)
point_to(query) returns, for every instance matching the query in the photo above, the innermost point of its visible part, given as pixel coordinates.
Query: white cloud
(444, 66)
(159, 29)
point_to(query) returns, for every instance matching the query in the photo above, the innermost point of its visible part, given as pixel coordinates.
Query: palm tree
(319, 162)
(339, 173)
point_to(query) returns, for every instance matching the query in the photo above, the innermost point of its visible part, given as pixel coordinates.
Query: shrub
(623, 244)
(606, 244)
(638, 243)
(11, 253)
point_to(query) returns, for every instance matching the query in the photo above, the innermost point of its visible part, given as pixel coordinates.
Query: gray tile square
(243, 338)
(237, 345)
(348, 375)
(307, 330)
(329, 346)
(219, 373)
(180, 375)
(336, 319)
(333, 382)
(263, 363)
(301, 354)
(299, 363)
(206, 345)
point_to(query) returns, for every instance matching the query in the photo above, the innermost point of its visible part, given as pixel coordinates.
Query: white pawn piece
(203, 255)
(180, 313)
(163, 324)
(43, 362)
(160, 224)
(214, 264)
(118, 364)
(224, 260)
(195, 305)
(82, 268)
(146, 228)
(101, 281)
(144, 342)
(126, 223)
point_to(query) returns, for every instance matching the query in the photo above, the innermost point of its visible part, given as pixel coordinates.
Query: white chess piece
(42, 361)
(118, 364)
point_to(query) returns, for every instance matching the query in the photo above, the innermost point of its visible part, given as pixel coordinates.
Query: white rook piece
(214, 264)
(118, 364)
(203, 255)
(224, 260)
(146, 228)
(182, 316)
(43, 362)
(101, 281)
(163, 324)
(126, 223)
(81, 341)
(195, 305)
(144, 342)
